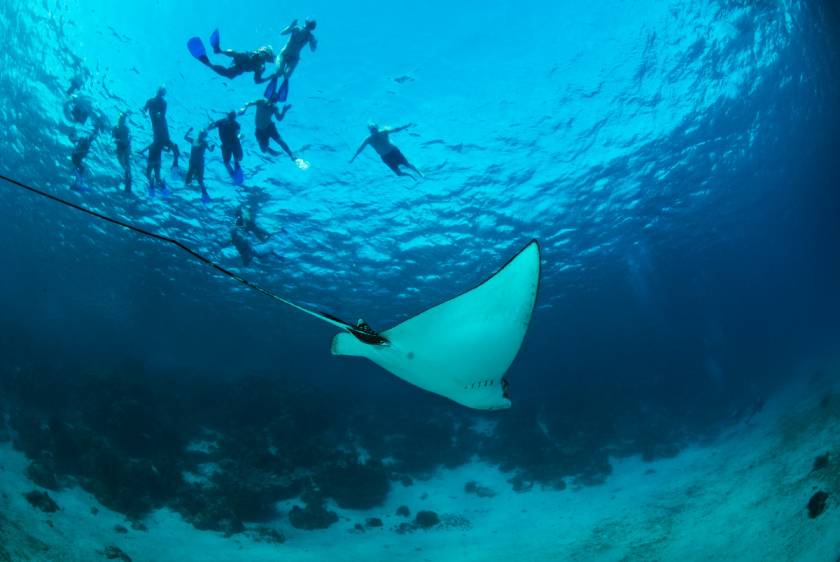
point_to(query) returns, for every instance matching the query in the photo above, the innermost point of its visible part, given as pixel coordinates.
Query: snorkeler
(231, 146)
(122, 141)
(79, 108)
(153, 167)
(156, 108)
(81, 148)
(389, 153)
(299, 37)
(198, 147)
(249, 239)
(242, 63)
(265, 128)
(287, 61)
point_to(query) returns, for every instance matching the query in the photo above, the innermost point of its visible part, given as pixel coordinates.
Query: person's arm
(290, 27)
(403, 128)
(187, 136)
(281, 114)
(260, 79)
(145, 108)
(313, 43)
(144, 150)
(360, 149)
(245, 107)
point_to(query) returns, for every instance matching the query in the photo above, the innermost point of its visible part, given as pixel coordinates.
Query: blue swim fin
(78, 182)
(196, 48)
(214, 41)
(238, 176)
(283, 92)
(271, 89)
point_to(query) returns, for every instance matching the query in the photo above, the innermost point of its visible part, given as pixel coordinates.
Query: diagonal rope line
(320, 315)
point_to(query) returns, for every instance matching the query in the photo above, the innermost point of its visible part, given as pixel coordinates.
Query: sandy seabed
(742, 497)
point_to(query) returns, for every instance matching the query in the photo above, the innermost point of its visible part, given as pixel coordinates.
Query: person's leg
(190, 174)
(175, 152)
(200, 177)
(125, 160)
(149, 168)
(229, 72)
(237, 154)
(262, 140)
(242, 246)
(401, 160)
(392, 163)
(279, 140)
(291, 66)
(227, 152)
(78, 168)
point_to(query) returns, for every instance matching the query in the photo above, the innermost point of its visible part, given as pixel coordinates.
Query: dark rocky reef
(476, 489)
(125, 436)
(354, 485)
(41, 501)
(820, 462)
(817, 503)
(426, 519)
(115, 553)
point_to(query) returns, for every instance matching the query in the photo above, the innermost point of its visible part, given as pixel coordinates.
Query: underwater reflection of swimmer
(79, 108)
(81, 149)
(251, 240)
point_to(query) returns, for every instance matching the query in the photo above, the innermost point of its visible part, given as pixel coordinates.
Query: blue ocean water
(676, 161)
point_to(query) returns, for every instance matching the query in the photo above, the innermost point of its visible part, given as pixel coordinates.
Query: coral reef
(42, 501)
(817, 503)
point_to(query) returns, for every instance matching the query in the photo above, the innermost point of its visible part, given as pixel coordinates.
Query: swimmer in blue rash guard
(390, 154)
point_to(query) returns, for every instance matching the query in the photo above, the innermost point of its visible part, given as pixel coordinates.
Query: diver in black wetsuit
(122, 141)
(229, 138)
(242, 63)
(81, 149)
(198, 147)
(156, 108)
